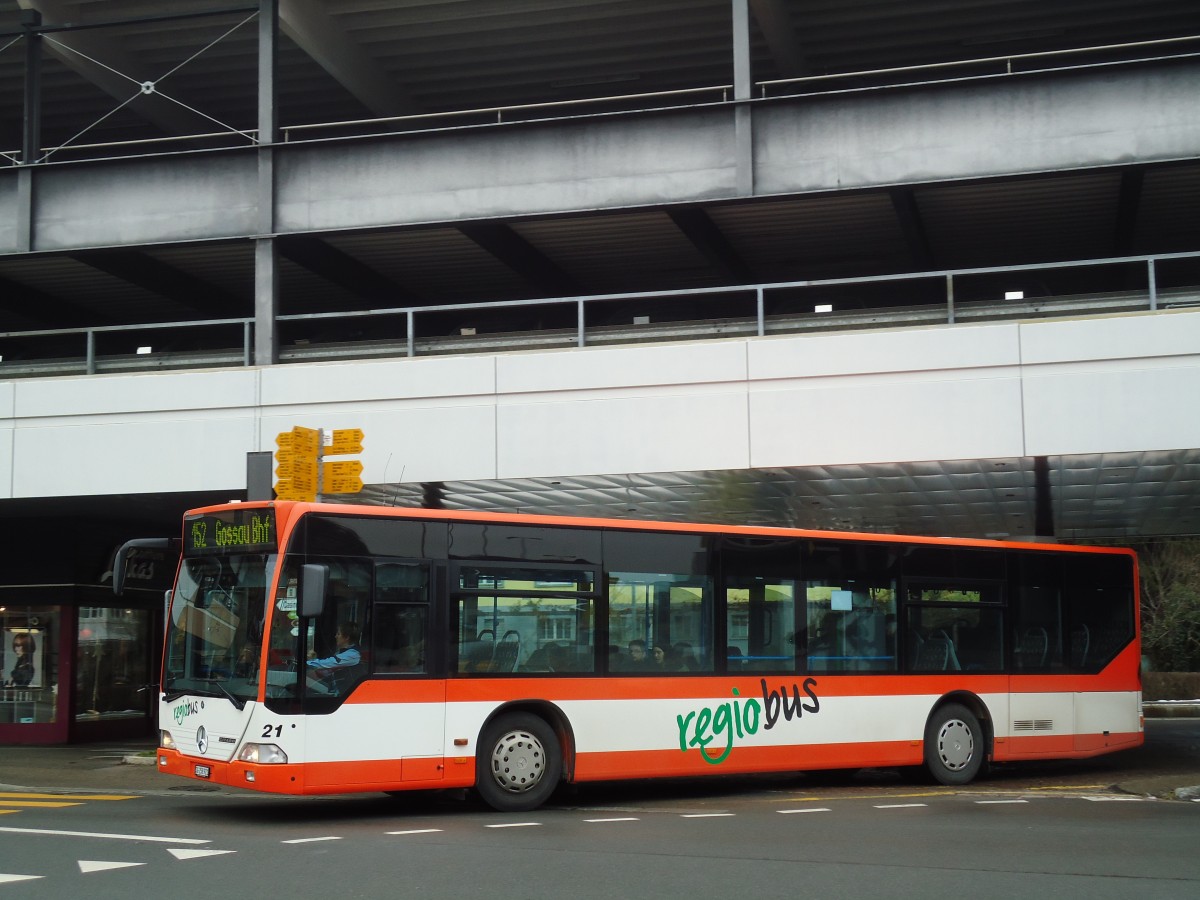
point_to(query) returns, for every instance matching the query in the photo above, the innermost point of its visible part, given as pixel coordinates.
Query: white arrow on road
(197, 854)
(99, 865)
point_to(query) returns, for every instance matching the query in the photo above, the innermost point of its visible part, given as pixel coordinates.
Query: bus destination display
(231, 531)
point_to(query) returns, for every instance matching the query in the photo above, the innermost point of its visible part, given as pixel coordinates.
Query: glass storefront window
(111, 663)
(28, 664)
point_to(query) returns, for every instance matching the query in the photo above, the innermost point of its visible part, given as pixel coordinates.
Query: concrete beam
(989, 129)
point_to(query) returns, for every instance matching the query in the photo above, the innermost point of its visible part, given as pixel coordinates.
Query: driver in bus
(347, 654)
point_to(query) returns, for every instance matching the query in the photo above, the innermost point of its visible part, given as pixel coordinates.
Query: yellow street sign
(343, 485)
(298, 470)
(299, 439)
(286, 490)
(304, 477)
(343, 441)
(347, 468)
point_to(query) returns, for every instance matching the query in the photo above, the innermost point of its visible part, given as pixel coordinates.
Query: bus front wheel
(954, 745)
(518, 763)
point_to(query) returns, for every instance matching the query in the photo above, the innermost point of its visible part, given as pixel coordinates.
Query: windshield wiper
(220, 685)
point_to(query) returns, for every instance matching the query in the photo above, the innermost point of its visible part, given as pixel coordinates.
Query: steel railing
(758, 319)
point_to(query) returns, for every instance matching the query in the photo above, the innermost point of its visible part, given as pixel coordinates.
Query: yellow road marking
(3, 811)
(5, 796)
(45, 804)
(947, 793)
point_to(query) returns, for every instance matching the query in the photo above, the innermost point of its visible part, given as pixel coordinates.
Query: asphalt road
(1090, 829)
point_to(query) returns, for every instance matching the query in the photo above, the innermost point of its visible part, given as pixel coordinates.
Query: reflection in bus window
(760, 624)
(851, 626)
(522, 619)
(217, 618)
(668, 612)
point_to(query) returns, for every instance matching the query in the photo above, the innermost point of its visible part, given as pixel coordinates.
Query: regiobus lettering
(183, 710)
(743, 717)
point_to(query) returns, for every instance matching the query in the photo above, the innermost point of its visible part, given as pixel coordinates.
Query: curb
(1170, 709)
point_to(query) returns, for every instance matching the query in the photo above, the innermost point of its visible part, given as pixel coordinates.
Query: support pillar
(266, 256)
(742, 117)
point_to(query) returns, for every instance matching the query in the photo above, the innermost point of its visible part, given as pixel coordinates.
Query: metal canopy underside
(1119, 497)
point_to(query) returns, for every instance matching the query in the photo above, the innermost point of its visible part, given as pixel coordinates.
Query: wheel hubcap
(956, 745)
(518, 762)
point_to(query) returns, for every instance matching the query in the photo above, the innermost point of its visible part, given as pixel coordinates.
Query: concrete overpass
(1070, 428)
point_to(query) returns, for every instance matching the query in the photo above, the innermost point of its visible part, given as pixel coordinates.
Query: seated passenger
(636, 660)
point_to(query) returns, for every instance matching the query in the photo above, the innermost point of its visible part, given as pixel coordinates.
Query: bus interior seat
(936, 654)
(475, 656)
(1080, 641)
(1032, 647)
(506, 652)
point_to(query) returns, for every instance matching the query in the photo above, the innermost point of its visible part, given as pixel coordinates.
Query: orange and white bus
(321, 649)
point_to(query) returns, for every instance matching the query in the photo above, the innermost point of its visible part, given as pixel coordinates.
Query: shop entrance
(77, 664)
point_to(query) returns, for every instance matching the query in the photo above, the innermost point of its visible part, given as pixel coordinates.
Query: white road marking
(313, 840)
(624, 819)
(789, 812)
(99, 865)
(5, 879)
(197, 854)
(901, 805)
(706, 815)
(416, 831)
(112, 837)
(998, 802)
(515, 825)
(1118, 799)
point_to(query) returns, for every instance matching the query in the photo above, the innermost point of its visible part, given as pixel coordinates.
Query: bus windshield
(216, 625)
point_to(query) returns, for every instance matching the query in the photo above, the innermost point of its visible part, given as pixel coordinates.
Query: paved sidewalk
(81, 767)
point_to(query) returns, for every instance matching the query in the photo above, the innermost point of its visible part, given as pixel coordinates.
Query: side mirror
(314, 586)
(121, 560)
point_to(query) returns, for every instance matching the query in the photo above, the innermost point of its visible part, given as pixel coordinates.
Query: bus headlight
(264, 754)
(165, 741)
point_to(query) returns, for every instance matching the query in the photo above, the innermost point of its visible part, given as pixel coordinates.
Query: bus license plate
(203, 772)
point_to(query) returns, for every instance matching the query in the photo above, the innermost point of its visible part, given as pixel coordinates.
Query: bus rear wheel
(954, 745)
(518, 763)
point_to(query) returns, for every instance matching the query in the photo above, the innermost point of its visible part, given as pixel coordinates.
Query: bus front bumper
(277, 779)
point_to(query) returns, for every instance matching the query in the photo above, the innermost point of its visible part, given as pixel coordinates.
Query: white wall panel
(306, 385)
(1112, 384)
(885, 419)
(1169, 333)
(677, 431)
(861, 353)
(1112, 408)
(144, 455)
(108, 395)
(622, 367)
